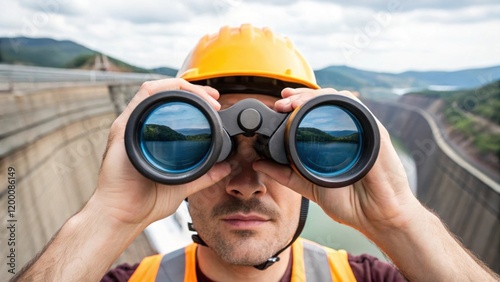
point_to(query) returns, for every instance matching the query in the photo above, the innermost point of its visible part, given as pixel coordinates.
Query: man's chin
(244, 250)
(245, 260)
(244, 234)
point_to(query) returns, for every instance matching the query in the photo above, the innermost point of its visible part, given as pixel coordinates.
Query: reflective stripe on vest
(311, 262)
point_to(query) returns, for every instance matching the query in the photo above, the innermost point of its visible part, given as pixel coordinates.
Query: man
(246, 208)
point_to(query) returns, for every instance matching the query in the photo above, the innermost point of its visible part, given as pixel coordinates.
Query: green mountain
(483, 101)
(343, 77)
(385, 86)
(44, 52)
(469, 78)
(47, 52)
(468, 112)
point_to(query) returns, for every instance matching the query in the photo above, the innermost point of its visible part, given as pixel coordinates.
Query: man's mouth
(245, 221)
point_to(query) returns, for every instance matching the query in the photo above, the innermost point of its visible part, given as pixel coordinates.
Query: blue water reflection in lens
(176, 137)
(328, 141)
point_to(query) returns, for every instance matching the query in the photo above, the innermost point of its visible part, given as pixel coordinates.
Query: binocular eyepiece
(174, 137)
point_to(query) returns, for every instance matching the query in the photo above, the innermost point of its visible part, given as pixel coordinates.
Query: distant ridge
(48, 52)
(345, 77)
(44, 52)
(385, 86)
(469, 78)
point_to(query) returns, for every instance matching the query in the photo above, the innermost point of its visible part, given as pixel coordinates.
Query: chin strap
(304, 208)
(196, 238)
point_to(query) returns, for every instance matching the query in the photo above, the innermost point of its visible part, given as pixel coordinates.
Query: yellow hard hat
(247, 59)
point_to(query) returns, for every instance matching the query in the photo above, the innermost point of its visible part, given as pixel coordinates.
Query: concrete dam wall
(52, 140)
(467, 200)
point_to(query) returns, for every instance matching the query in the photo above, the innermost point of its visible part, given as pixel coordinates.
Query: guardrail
(12, 74)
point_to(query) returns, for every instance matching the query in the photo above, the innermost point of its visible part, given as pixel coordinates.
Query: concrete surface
(464, 197)
(54, 138)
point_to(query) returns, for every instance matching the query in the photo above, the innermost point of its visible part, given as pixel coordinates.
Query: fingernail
(213, 101)
(286, 101)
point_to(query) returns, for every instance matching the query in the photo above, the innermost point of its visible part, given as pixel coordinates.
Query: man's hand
(123, 192)
(382, 199)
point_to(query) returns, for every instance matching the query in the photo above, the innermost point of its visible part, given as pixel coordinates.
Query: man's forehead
(227, 100)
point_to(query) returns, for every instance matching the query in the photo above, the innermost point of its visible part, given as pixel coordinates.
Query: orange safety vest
(311, 262)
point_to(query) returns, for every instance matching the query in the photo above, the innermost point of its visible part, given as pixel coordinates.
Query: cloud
(277, 2)
(138, 12)
(376, 5)
(63, 7)
(328, 118)
(389, 35)
(178, 116)
(464, 15)
(412, 5)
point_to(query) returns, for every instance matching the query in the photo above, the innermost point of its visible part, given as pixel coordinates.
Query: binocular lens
(173, 137)
(328, 141)
(176, 137)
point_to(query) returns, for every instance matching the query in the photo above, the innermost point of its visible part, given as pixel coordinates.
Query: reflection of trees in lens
(156, 132)
(328, 141)
(176, 137)
(309, 134)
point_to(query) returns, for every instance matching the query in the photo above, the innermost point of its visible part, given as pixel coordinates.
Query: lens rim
(133, 132)
(369, 134)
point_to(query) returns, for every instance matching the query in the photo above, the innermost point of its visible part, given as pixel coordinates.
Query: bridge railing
(12, 74)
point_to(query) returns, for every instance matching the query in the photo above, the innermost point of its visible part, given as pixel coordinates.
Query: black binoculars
(174, 137)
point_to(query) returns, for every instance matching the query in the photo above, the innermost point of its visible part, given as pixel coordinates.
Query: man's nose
(244, 182)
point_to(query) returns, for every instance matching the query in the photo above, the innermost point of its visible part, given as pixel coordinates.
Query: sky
(178, 116)
(329, 118)
(385, 35)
